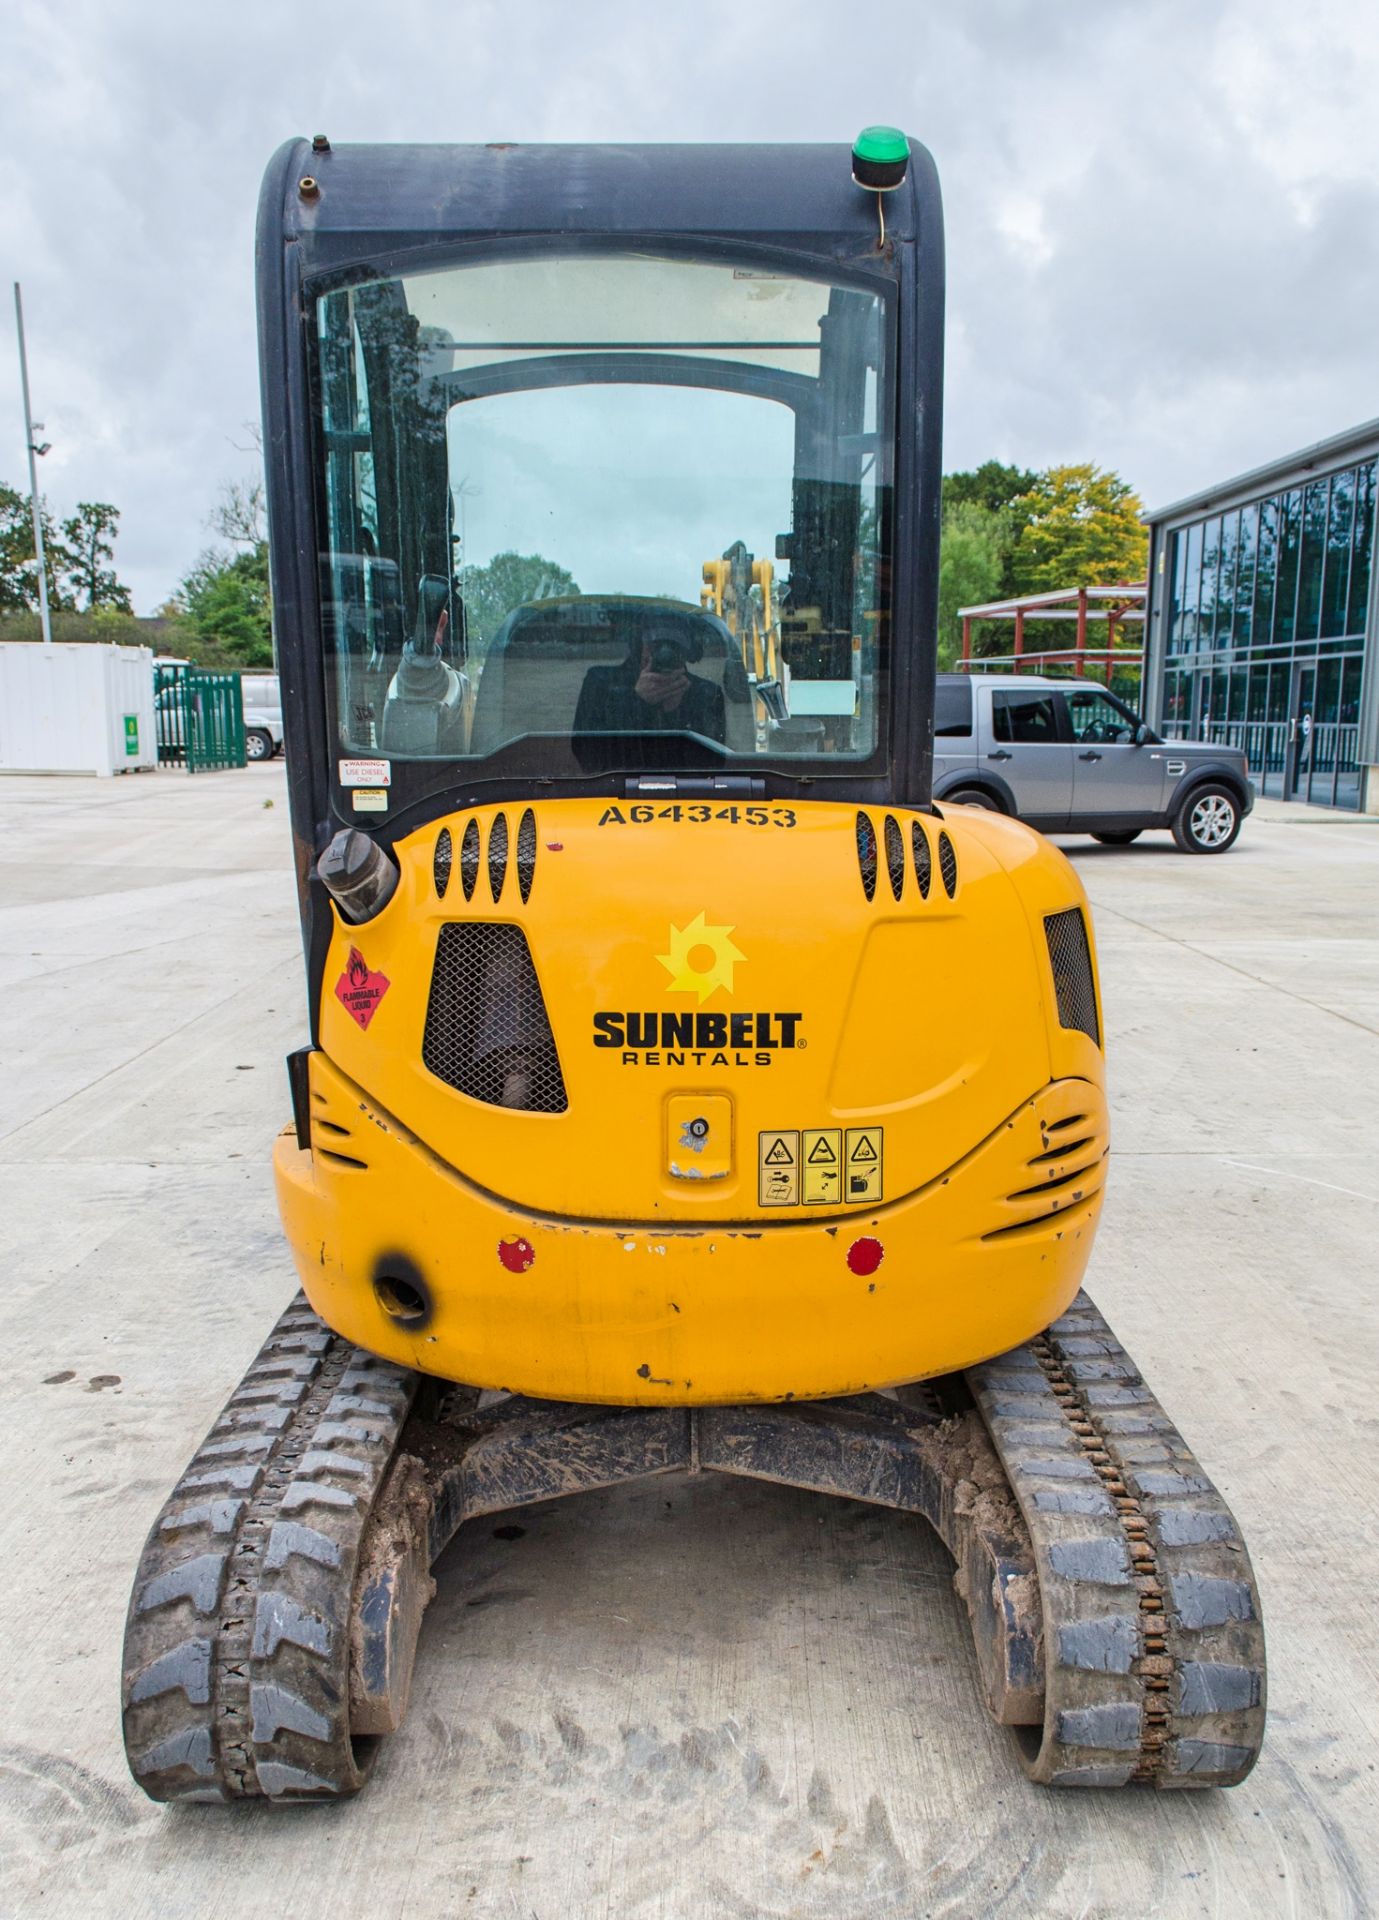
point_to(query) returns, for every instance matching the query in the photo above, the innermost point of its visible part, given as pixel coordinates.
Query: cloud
(1160, 214)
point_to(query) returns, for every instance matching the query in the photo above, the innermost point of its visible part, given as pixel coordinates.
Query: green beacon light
(880, 158)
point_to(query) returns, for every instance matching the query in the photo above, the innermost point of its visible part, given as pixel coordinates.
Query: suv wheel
(1207, 821)
(1120, 838)
(258, 745)
(972, 797)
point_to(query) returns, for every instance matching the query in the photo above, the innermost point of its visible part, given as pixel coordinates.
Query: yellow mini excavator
(686, 1090)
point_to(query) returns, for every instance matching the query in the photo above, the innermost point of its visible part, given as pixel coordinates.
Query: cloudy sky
(1163, 215)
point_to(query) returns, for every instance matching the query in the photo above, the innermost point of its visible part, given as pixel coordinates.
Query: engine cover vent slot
(866, 854)
(497, 855)
(895, 855)
(526, 854)
(440, 866)
(948, 865)
(487, 1031)
(924, 859)
(1070, 956)
(469, 859)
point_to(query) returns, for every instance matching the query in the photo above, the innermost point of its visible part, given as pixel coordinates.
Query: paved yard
(697, 1697)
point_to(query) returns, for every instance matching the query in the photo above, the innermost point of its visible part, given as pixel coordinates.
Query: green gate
(199, 717)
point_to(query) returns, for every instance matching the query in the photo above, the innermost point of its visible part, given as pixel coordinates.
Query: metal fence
(1321, 767)
(199, 718)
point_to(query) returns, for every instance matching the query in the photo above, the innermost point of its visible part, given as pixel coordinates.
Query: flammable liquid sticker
(359, 989)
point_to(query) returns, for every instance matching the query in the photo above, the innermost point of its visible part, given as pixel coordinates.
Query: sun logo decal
(701, 959)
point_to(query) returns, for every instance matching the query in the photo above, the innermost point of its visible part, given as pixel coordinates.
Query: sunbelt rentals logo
(701, 960)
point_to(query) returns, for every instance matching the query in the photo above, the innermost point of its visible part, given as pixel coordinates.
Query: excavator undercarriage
(276, 1611)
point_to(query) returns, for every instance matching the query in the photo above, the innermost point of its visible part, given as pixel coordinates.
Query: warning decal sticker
(365, 773)
(778, 1169)
(820, 1167)
(864, 1157)
(359, 989)
(823, 1166)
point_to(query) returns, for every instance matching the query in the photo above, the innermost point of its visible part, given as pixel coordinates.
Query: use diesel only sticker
(366, 773)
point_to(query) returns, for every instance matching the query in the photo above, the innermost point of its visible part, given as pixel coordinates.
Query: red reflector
(865, 1256)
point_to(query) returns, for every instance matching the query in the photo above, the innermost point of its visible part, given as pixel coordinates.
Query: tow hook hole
(401, 1299)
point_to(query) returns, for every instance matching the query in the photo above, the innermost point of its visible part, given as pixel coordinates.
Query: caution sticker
(865, 1151)
(370, 800)
(778, 1169)
(822, 1165)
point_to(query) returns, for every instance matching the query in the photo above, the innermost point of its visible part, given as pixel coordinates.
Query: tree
(509, 580)
(239, 515)
(1081, 528)
(226, 602)
(16, 550)
(90, 534)
(999, 491)
(972, 556)
(18, 562)
(990, 485)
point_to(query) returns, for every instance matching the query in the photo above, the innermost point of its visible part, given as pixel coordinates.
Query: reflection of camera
(667, 657)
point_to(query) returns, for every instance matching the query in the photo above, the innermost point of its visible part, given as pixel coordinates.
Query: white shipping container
(73, 708)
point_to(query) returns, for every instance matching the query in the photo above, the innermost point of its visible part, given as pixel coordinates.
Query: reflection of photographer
(652, 689)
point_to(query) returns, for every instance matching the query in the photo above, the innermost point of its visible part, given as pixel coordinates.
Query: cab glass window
(587, 513)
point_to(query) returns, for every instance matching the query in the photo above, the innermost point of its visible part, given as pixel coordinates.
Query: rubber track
(1153, 1642)
(237, 1643)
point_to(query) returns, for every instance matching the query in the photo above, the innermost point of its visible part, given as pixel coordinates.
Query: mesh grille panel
(948, 865)
(441, 864)
(924, 859)
(487, 1031)
(469, 859)
(895, 855)
(1071, 959)
(866, 853)
(526, 853)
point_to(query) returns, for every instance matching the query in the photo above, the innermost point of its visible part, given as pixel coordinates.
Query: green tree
(1081, 528)
(18, 563)
(226, 602)
(991, 485)
(90, 535)
(972, 556)
(998, 490)
(509, 580)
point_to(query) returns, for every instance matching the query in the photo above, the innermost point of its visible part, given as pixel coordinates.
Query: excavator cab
(684, 1088)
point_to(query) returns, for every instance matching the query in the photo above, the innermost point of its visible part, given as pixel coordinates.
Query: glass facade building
(1261, 626)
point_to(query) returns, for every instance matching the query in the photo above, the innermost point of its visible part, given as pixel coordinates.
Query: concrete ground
(698, 1697)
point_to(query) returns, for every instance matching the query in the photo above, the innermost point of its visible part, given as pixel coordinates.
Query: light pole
(34, 451)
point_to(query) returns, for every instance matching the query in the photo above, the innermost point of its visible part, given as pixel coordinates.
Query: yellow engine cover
(806, 1134)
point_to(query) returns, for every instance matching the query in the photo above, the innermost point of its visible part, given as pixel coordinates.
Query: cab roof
(331, 199)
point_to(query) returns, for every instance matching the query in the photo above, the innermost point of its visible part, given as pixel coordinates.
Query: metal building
(1262, 629)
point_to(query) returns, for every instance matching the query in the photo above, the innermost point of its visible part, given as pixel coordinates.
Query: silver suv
(1068, 757)
(263, 715)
